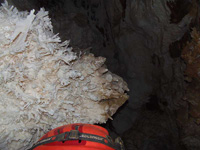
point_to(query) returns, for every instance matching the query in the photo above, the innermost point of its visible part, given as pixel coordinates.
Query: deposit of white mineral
(43, 84)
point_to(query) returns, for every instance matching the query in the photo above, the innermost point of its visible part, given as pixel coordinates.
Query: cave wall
(135, 37)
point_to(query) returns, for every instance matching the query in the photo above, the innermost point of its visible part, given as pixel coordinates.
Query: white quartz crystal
(43, 84)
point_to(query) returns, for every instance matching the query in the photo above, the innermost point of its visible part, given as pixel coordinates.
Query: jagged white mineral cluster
(43, 84)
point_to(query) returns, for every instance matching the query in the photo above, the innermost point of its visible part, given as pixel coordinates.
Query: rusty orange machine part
(77, 137)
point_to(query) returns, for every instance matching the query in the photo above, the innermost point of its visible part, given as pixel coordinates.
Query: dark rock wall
(135, 37)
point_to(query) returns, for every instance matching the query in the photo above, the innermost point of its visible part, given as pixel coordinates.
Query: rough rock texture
(188, 115)
(156, 131)
(44, 84)
(142, 41)
(190, 54)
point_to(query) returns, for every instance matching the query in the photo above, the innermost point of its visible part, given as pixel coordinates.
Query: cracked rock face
(189, 114)
(44, 84)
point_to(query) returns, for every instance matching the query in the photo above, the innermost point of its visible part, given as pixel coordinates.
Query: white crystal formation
(43, 84)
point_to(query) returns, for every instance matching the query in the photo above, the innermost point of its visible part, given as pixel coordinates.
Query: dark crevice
(153, 103)
(123, 3)
(179, 8)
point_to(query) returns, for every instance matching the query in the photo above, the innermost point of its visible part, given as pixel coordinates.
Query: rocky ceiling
(142, 41)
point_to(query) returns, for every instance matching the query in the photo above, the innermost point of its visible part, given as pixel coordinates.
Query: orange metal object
(76, 144)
